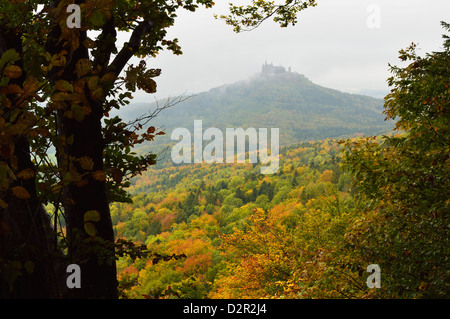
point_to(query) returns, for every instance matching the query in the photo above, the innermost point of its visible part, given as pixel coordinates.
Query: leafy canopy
(403, 180)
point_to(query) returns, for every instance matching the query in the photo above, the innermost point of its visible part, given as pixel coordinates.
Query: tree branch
(105, 46)
(130, 48)
(145, 118)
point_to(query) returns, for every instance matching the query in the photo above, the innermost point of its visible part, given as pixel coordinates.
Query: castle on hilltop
(271, 69)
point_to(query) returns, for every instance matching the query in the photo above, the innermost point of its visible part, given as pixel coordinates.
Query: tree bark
(26, 233)
(94, 254)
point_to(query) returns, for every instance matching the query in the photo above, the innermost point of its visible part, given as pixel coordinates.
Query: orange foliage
(326, 176)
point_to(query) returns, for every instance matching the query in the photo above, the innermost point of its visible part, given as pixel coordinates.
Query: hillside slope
(275, 98)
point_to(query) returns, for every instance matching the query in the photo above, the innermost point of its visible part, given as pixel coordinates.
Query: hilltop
(275, 97)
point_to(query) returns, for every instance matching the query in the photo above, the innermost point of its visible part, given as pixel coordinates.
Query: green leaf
(63, 86)
(90, 229)
(29, 266)
(91, 215)
(83, 67)
(97, 18)
(9, 56)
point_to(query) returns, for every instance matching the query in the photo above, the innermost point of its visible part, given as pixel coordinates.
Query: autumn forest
(356, 209)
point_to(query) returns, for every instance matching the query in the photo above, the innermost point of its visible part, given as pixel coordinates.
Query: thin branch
(131, 47)
(145, 118)
(435, 132)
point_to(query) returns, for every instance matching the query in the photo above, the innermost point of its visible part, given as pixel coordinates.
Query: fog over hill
(274, 98)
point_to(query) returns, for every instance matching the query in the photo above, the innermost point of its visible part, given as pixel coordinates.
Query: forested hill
(275, 98)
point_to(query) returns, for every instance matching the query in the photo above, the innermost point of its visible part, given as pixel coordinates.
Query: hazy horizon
(332, 44)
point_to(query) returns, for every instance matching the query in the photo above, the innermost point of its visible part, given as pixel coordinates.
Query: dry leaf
(99, 175)
(20, 192)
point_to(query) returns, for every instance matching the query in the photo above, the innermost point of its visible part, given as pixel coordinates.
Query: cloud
(332, 45)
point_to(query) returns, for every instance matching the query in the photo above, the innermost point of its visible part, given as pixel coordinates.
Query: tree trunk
(28, 258)
(31, 266)
(94, 254)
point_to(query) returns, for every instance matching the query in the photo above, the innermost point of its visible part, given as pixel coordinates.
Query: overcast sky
(337, 44)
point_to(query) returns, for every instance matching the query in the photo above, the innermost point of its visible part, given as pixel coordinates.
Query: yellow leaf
(83, 67)
(82, 183)
(92, 215)
(78, 113)
(92, 83)
(12, 71)
(97, 94)
(90, 229)
(29, 266)
(20, 192)
(26, 173)
(3, 204)
(56, 188)
(99, 175)
(30, 85)
(11, 89)
(86, 163)
(63, 86)
(6, 102)
(79, 85)
(108, 77)
(61, 96)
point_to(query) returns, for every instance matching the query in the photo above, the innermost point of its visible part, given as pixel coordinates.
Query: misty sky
(332, 45)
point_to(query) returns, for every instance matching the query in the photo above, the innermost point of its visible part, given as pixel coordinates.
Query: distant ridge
(276, 97)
